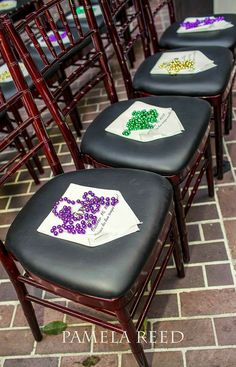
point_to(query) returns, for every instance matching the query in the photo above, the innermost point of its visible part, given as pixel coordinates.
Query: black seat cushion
(207, 83)
(166, 156)
(108, 270)
(225, 38)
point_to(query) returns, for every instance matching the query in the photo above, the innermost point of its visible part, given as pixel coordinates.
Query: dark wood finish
(192, 8)
(23, 97)
(95, 60)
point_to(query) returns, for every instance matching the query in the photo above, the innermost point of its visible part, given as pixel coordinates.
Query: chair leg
(228, 117)
(131, 332)
(218, 140)
(21, 291)
(179, 209)
(174, 237)
(209, 169)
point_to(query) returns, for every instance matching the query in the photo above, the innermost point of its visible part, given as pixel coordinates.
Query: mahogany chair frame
(23, 97)
(96, 59)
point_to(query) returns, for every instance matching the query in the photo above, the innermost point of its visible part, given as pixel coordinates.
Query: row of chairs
(111, 278)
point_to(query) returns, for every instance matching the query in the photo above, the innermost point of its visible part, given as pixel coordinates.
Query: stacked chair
(177, 158)
(111, 278)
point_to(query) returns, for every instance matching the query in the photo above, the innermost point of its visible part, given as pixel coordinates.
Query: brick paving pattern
(202, 306)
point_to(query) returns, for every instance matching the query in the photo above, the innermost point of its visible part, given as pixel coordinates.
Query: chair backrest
(155, 13)
(77, 51)
(135, 23)
(12, 135)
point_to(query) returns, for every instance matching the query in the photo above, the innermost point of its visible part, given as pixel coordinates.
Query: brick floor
(202, 306)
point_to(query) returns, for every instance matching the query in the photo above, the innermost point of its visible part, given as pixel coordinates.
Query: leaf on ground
(54, 328)
(90, 361)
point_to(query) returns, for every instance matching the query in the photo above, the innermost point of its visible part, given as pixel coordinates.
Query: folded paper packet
(167, 125)
(200, 62)
(5, 76)
(219, 25)
(7, 5)
(81, 12)
(112, 221)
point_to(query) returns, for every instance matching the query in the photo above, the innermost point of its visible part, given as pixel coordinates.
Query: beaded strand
(176, 65)
(141, 120)
(201, 22)
(84, 218)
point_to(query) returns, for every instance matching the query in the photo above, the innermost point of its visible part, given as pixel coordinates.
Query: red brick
(164, 359)
(16, 342)
(211, 358)
(227, 198)
(163, 305)
(197, 332)
(202, 212)
(7, 292)
(6, 312)
(193, 278)
(193, 233)
(232, 152)
(230, 226)
(210, 302)
(212, 231)
(32, 362)
(54, 343)
(104, 361)
(208, 252)
(225, 330)
(44, 315)
(219, 274)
